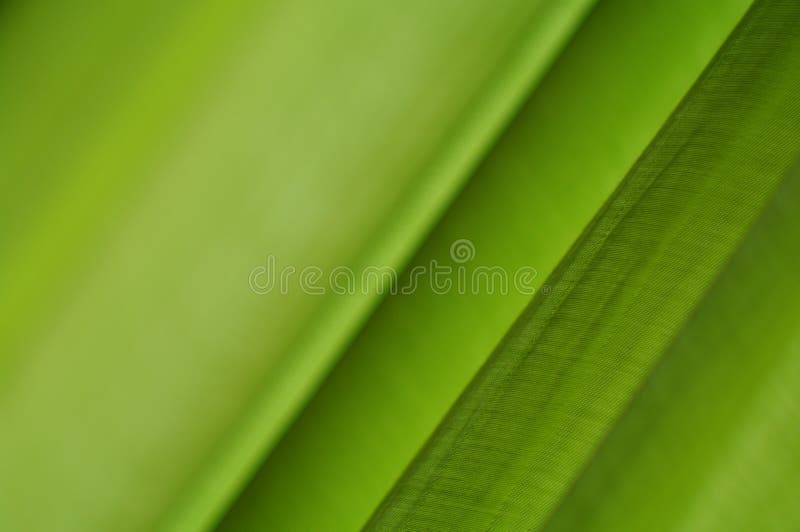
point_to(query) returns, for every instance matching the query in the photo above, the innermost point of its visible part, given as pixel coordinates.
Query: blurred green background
(153, 154)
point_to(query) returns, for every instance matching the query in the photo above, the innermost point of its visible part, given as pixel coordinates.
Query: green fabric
(531, 420)
(530, 199)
